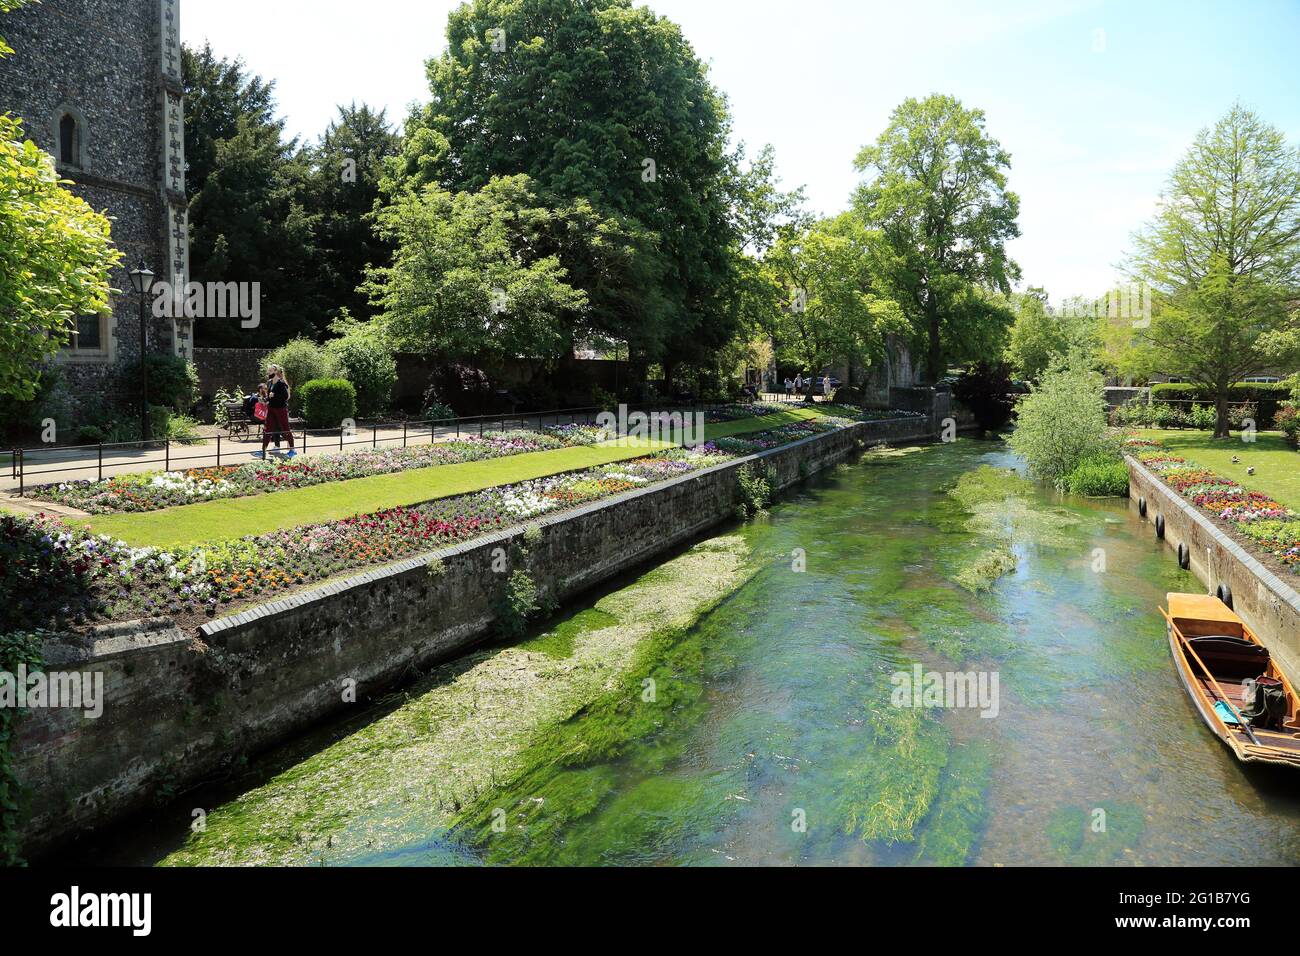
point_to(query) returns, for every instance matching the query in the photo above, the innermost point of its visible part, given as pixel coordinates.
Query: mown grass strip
(233, 518)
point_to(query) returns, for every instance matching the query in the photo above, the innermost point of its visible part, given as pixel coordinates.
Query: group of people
(270, 406)
(797, 386)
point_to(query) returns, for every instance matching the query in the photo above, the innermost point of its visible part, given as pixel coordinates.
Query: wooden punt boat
(1215, 654)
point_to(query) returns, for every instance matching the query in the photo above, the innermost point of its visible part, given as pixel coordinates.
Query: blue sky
(1094, 99)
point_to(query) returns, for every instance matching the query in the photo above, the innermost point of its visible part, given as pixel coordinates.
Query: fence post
(167, 454)
(341, 431)
(22, 470)
(304, 439)
(218, 451)
(374, 436)
(101, 461)
(404, 424)
(480, 428)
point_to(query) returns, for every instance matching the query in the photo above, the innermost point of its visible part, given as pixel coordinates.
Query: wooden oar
(1241, 721)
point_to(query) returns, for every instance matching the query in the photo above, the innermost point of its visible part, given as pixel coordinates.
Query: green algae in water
(1078, 838)
(896, 778)
(961, 810)
(561, 640)
(981, 573)
(463, 735)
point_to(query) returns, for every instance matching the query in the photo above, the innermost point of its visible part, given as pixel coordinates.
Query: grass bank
(233, 518)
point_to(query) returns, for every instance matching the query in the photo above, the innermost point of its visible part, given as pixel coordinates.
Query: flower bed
(57, 576)
(1271, 526)
(150, 491)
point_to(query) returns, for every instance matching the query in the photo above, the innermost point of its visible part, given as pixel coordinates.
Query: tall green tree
(1041, 335)
(603, 101)
(247, 219)
(832, 311)
(936, 190)
(341, 190)
(1222, 255)
(469, 277)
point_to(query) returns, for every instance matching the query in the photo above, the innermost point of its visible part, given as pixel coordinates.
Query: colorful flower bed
(56, 576)
(1270, 524)
(150, 491)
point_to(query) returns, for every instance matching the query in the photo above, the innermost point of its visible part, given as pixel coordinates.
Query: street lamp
(142, 283)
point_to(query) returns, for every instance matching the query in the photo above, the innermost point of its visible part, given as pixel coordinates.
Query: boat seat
(1232, 658)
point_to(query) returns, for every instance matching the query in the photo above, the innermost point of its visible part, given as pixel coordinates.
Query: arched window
(68, 145)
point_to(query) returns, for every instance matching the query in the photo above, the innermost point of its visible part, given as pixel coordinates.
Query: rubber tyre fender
(1142, 507)
(1160, 527)
(1224, 594)
(1184, 556)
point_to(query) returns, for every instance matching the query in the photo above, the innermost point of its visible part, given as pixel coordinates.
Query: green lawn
(232, 518)
(1276, 464)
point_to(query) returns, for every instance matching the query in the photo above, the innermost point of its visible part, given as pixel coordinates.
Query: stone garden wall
(181, 706)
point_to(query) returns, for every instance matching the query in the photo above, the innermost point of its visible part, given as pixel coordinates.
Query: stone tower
(97, 84)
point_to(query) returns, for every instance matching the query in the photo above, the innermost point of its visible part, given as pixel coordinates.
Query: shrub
(755, 490)
(1098, 476)
(1203, 417)
(303, 361)
(458, 386)
(434, 411)
(985, 390)
(22, 420)
(326, 402)
(1062, 422)
(363, 358)
(1287, 421)
(1266, 396)
(90, 435)
(517, 605)
(173, 382)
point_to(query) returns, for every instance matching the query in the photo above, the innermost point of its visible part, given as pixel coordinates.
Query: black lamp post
(142, 283)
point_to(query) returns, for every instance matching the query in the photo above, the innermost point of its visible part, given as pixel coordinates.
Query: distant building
(98, 86)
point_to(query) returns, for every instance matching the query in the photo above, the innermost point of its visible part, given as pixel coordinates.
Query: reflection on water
(771, 738)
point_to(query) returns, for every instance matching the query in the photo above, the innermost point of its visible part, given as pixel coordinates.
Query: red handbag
(260, 411)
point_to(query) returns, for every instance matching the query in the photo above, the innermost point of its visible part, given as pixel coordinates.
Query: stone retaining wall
(1264, 600)
(180, 707)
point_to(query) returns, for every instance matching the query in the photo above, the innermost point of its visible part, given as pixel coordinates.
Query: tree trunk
(934, 370)
(1222, 427)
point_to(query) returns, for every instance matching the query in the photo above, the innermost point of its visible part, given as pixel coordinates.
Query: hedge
(326, 402)
(1267, 395)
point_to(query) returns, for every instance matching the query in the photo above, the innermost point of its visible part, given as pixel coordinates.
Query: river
(768, 732)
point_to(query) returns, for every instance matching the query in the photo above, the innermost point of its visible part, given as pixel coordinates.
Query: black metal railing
(171, 455)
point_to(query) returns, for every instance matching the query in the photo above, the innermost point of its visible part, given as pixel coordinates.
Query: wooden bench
(239, 423)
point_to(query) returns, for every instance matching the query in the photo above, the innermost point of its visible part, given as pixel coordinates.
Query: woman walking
(277, 413)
